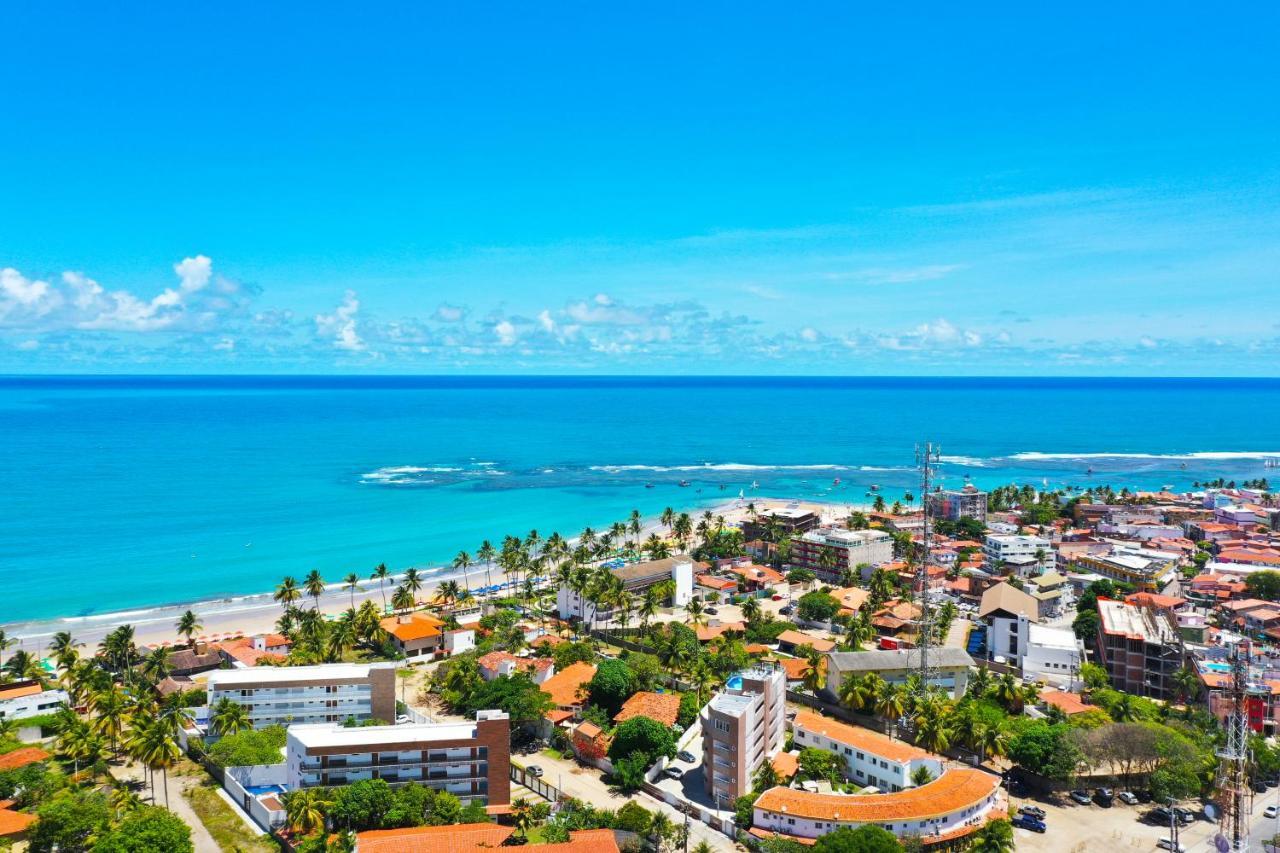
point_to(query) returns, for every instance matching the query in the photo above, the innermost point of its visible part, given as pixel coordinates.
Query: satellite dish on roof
(1221, 843)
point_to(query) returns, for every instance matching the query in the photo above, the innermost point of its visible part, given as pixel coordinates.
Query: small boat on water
(648, 485)
(874, 487)
(684, 484)
(836, 481)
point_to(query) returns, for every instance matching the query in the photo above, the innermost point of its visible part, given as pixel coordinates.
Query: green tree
(818, 764)
(1046, 749)
(818, 606)
(611, 685)
(864, 839)
(362, 805)
(995, 837)
(145, 830)
(645, 736)
(68, 820)
(1264, 585)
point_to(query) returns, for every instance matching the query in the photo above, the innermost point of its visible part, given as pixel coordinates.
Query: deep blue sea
(128, 492)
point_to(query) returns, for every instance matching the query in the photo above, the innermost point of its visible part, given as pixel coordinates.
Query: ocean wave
(405, 475)
(970, 461)
(1211, 455)
(716, 466)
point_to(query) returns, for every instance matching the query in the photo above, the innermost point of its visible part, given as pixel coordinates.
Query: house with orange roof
(458, 838)
(417, 634)
(786, 765)
(663, 707)
(753, 577)
(957, 803)
(714, 588)
(19, 699)
(1160, 602)
(13, 823)
(851, 599)
(498, 663)
(716, 630)
(568, 688)
(870, 757)
(251, 651)
(796, 669)
(790, 641)
(1067, 703)
(23, 757)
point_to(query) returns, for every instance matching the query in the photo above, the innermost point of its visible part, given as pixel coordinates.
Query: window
(848, 751)
(721, 725)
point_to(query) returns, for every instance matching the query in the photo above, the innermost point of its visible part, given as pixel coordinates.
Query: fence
(548, 792)
(693, 810)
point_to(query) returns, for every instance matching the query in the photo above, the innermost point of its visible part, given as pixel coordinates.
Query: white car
(1128, 797)
(1166, 844)
(1271, 811)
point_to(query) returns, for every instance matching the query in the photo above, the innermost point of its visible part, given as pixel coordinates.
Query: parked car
(1185, 816)
(1035, 811)
(686, 755)
(534, 770)
(775, 597)
(1104, 797)
(1271, 811)
(402, 719)
(786, 611)
(1166, 844)
(673, 772)
(1260, 787)
(1159, 816)
(1028, 822)
(711, 611)
(1128, 797)
(1081, 796)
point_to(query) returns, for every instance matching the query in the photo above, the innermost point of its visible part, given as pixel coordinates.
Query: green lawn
(553, 753)
(224, 825)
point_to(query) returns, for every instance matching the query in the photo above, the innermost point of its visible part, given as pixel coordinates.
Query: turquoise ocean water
(124, 493)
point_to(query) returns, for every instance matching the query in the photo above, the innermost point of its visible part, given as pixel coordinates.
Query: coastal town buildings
(955, 504)
(1140, 648)
(829, 551)
(327, 693)
(870, 757)
(1023, 555)
(636, 578)
(471, 760)
(1147, 570)
(1039, 651)
(742, 727)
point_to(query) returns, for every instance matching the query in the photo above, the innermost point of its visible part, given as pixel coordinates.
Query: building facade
(328, 693)
(870, 757)
(21, 699)
(742, 727)
(1140, 648)
(1147, 570)
(470, 760)
(828, 551)
(636, 578)
(955, 504)
(1029, 555)
(1041, 652)
(950, 667)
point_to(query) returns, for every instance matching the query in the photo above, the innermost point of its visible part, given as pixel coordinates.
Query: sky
(662, 188)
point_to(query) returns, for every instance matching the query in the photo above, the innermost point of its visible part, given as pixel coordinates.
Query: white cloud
(447, 313)
(809, 334)
(340, 326)
(225, 345)
(27, 345)
(506, 332)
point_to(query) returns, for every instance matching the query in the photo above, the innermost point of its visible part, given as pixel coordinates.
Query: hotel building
(329, 693)
(470, 760)
(955, 504)
(636, 578)
(742, 727)
(870, 757)
(829, 550)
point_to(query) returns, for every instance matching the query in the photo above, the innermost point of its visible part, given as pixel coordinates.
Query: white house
(1027, 554)
(1053, 654)
(28, 699)
(636, 578)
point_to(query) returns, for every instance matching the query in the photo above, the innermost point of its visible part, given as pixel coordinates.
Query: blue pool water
(260, 790)
(122, 493)
(734, 682)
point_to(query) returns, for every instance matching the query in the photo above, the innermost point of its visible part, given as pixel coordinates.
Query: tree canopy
(864, 839)
(611, 685)
(645, 736)
(147, 829)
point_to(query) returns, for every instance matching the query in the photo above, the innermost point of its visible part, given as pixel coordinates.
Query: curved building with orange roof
(955, 803)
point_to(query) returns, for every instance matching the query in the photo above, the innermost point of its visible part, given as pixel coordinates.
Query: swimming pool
(260, 790)
(1214, 666)
(734, 682)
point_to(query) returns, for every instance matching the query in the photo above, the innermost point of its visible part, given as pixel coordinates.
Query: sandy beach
(257, 613)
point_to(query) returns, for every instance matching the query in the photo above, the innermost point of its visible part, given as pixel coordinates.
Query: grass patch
(553, 753)
(226, 827)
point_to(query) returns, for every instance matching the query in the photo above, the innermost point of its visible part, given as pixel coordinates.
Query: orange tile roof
(759, 574)
(785, 764)
(22, 757)
(564, 686)
(583, 841)
(14, 823)
(663, 707)
(757, 649)
(707, 633)
(795, 667)
(712, 582)
(1164, 602)
(1068, 703)
(954, 790)
(548, 640)
(851, 598)
(558, 716)
(798, 638)
(856, 736)
(242, 650)
(419, 626)
(768, 834)
(1243, 555)
(458, 838)
(20, 691)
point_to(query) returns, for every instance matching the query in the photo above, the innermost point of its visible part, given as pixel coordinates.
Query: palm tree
(151, 744)
(462, 562)
(987, 740)
(979, 683)
(314, 585)
(304, 810)
(403, 599)
(815, 670)
(890, 705)
(751, 609)
(648, 608)
(1186, 684)
(485, 553)
(448, 592)
(522, 817)
(860, 692)
(6, 643)
(342, 636)
(995, 837)
(352, 583)
(933, 726)
(188, 625)
(380, 574)
(701, 678)
(921, 776)
(155, 666)
(287, 592)
(696, 612)
(228, 718)
(25, 666)
(860, 630)
(412, 582)
(62, 648)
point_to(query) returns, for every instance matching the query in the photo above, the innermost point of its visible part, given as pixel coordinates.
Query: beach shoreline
(256, 613)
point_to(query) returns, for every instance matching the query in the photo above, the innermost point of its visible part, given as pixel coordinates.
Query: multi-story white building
(1027, 555)
(955, 504)
(1052, 654)
(28, 699)
(636, 578)
(471, 760)
(870, 757)
(328, 693)
(742, 727)
(828, 551)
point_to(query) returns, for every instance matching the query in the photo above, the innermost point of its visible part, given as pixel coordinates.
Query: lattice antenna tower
(1233, 760)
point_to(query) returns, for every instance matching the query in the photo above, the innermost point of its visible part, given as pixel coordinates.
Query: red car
(777, 598)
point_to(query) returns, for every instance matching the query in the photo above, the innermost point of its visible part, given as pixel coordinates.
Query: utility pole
(1233, 759)
(927, 457)
(1173, 827)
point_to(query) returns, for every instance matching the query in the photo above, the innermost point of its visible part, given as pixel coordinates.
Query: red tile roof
(419, 626)
(14, 823)
(1068, 703)
(22, 757)
(785, 764)
(798, 638)
(459, 838)
(856, 736)
(663, 707)
(568, 687)
(954, 790)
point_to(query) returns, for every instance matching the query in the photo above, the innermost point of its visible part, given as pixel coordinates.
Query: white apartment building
(742, 727)
(1052, 654)
(28, 699)
(1028, 555)
(828, 551)
(471, 760)
(636, 578)
(870, 757)
(328, 693)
